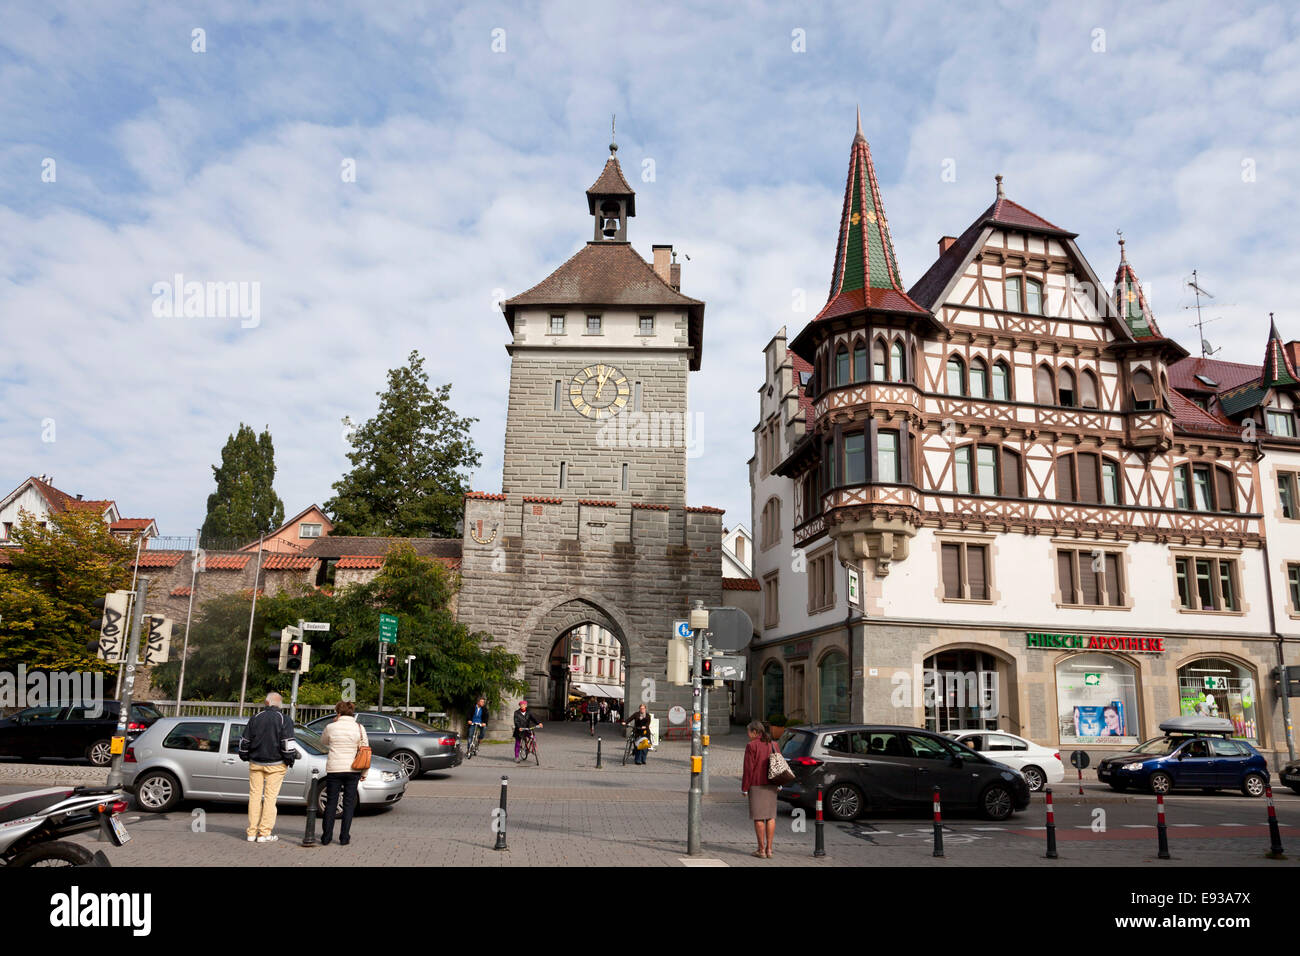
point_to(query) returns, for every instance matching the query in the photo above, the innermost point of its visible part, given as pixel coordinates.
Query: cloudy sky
(128, 156)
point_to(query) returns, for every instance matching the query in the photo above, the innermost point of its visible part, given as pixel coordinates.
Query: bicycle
(529, 740)
(630, 749)
(476, 731)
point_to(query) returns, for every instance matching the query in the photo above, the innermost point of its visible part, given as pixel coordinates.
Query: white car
(1039, 765)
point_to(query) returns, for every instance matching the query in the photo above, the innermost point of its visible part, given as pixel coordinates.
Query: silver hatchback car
(197, 758)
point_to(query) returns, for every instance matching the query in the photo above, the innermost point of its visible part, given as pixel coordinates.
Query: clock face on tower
(599, 391)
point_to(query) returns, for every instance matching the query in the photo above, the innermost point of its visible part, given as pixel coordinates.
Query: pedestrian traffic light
(293, 659)
(390, 666)
(706, 668)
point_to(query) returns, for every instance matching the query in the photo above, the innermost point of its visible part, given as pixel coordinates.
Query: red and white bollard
(1051, 827)
(938, 825)
(1080, 781)
(1162, 833)
(1274, 835)
(819, 847)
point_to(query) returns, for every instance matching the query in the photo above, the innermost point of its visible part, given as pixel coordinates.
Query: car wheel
(409, 761)
(100, 753)
(157, 791)
(995, 804)
(1035, 777)
(843, 802)
(338, 804)
(1161, 783)
(1254, 784)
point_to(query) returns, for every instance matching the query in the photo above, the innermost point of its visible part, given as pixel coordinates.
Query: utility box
(679, 660)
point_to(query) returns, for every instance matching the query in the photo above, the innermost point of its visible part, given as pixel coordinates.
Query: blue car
(1197, 753)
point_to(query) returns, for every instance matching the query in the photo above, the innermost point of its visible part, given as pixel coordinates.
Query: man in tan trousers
(267, 744)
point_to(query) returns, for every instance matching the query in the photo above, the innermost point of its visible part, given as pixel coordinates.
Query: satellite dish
(1205, 347)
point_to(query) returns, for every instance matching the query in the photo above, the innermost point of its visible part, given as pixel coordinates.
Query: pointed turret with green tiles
(866, 268)
(1278, 369)
(1131, 302)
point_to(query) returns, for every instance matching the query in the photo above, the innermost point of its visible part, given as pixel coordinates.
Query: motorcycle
(33, 824)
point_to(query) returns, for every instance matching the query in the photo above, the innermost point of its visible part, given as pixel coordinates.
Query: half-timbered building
(981, 503)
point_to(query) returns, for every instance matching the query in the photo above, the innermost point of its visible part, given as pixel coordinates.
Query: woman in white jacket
(342, 737)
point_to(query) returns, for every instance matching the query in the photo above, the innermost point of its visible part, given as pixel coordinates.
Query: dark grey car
(417, 746)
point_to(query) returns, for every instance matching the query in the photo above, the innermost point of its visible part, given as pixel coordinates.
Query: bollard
(938, 825)
(313, 797)
(501, 832)
(1080, 781)
(1051, 827)
(1162, 835)
(1274, 835)
(819, 846)
(598, 766)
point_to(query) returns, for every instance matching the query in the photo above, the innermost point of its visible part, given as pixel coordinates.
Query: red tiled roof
(1188, 416)
(638, 504)
(452, 563)
(741, 584)
(181, 592)
(62, 501)
(161, 559)
(602, 273)
(484, 496)
(1004, 212)
(805, 400)
(1226, 375)
(131, 524)
(611, 183)
(337, 546)
(355, 562)
(858, 300)
(598, 504)
(283, 561)
(230, 562)
(537, 499)
(707, 509)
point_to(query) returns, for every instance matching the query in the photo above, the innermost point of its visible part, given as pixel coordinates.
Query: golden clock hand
(600, 382)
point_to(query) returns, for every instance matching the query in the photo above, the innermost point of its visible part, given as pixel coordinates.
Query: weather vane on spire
(613, 143)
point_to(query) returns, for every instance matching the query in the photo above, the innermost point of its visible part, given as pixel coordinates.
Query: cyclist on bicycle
(477, 724)
(640, 723)
(523, 721)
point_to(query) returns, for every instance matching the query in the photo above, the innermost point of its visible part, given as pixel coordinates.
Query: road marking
(1138, 826)
(690, 861)
(989, 829)
(1186, 824)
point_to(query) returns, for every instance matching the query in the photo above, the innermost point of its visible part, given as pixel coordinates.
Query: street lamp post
(409, 658)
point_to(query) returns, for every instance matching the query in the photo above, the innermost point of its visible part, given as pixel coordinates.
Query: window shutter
(1065, 478)
(1090, 593)
(1044, 394)
(952, 570)
(1223, 490)
(1088, 489)
(975, 572)
(1010, 473)
(1112, 579)
(1065, 576)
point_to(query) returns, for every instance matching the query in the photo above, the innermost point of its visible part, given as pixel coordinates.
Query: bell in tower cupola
(611, 201)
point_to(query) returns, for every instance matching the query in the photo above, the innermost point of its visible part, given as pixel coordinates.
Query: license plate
(120, 836)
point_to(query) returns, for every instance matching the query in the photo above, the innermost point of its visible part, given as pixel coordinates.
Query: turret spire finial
(998, 178)
(859, 135)
(613, 142)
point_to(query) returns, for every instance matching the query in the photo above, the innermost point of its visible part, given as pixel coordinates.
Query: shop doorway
(963, 690)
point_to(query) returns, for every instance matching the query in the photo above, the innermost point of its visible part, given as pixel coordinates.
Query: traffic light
(706, 668)
(293, 658)
(390, 666)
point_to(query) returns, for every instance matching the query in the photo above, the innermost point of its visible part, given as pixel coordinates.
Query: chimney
(945, 243)
(78, 497)
(1293, 353)
(675, 276)
(663, 257)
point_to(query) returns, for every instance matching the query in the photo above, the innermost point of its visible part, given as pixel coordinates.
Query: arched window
(1088, 389)
(1066, 390)
(771, 522)
(1044, 386)
(833, 689)
(773, 690)
(879, 371)
(860, 363)
(1001, 381)
(1096, 700)
(1214, 687)
(843, 375)
(1144, 391)
(979, 378)
(966, 683)
(956, 376)
(1033, 297)
(896, 364)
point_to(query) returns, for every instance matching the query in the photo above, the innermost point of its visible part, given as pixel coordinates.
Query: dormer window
(1024, 295)
(1280, 423)
(306, 530)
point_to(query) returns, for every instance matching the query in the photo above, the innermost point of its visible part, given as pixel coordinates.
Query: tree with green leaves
(410, 463)
(245, 503)
(452, 665)
(48, 591)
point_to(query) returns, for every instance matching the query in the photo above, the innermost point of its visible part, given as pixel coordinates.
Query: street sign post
(387, 629)
(728, 667)
(314, 625)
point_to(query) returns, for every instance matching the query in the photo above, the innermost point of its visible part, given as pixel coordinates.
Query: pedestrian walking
(523, 720)
(754, 783)
(640, 723)
(268, 747)
(604, 711)
(593, 714)
(343, 738)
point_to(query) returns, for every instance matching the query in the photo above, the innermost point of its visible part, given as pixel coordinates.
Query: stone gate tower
(591, 525)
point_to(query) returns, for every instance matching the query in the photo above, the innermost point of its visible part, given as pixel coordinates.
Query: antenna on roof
(1201, 322)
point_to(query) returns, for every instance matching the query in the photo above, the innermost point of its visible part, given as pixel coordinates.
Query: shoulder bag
(778, 771)
(362, 760)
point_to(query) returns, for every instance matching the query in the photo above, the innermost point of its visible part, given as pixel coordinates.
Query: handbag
(643, 743)
(778, 771)
(362, 760)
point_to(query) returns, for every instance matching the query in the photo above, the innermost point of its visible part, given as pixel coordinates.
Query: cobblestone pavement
(567, 813)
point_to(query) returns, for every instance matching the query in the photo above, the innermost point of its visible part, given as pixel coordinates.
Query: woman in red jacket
(762, 795)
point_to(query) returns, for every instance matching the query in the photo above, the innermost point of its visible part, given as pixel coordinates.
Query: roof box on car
(1194, 724)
